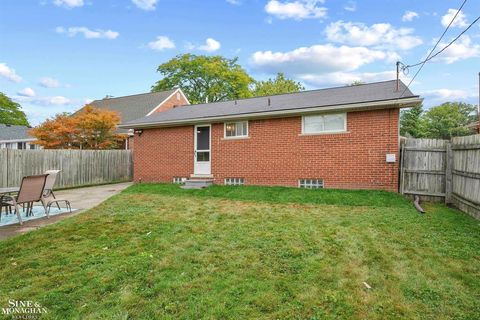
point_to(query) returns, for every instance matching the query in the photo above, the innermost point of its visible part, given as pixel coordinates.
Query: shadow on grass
(373, 198)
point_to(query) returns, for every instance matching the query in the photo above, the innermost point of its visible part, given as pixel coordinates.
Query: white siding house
(16, 137)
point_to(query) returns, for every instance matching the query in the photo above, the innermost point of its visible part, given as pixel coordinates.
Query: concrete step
(197, 183)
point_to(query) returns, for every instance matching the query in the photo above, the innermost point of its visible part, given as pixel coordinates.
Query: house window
(310, 183)
(324, 123)
(21, 145)
(236, 129)
(234, 181)
(179, 180)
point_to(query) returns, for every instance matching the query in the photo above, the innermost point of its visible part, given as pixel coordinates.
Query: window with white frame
(310, 183)
(324, 123)
(236, 129)
(234, 181)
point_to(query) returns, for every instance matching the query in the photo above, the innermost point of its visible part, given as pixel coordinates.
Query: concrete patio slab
(80, 198)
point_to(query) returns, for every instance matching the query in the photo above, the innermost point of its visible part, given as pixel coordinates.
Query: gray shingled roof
(372, 92)
(13, 133)
(134, 106)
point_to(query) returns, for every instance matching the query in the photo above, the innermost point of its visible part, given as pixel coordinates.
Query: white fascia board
(18, 140)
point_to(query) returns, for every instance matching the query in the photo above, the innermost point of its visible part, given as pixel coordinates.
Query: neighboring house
(141, 105)
(345, 137)
(475, 126)
(16, 137)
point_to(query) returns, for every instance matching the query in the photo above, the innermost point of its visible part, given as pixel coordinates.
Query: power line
(444, 48)
(434, 47)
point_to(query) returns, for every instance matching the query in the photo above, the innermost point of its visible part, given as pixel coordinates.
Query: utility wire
(433, 49)
(444, 48)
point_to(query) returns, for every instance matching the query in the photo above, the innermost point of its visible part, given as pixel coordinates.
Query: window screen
(324, 123)
(203, 138)
(236, 129)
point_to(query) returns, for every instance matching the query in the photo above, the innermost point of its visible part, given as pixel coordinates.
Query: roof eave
(383, 104)
(18, 140)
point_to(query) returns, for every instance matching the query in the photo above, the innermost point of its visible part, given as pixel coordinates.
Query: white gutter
(394, 103)
(18, 140)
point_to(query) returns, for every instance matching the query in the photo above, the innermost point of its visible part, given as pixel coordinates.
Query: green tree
(356, 83)
(412, 123)
(11, 113)
(448, 120)
(277, 85)
(205, 78)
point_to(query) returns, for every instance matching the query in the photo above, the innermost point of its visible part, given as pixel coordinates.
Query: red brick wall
(276, 154)
(161, 154)
(174, 101)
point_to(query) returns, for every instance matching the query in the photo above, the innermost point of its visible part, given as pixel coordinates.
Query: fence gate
(442, 170)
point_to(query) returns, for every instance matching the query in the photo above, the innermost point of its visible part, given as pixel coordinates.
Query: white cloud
(345, 78)
(234, 2)
(44, 101)
(409, 15)
(68, 3)
(448, 94)
(382, 35)
(87, 101)
(210, 45)
(460, 20)
(48, 82)
(147, 5)
(318, 59)
(351, 6)
(27, 92)
(161, 43)
(463, 48)
(9, 73)
(87, 33)
(58, 100)
(298, 9)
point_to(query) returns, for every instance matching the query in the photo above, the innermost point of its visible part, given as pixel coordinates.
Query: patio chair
(31, 190)
(8, 208)
(49, 196)
(51, 179)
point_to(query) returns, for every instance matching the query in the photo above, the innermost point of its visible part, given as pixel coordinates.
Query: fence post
(448, 174)
(402, 174)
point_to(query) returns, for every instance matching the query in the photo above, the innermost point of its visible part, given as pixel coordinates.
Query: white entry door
(202, 157)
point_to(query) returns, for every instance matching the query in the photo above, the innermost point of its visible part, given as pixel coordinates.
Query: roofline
(130, 95)
(166, 99)
(299, 92)
(18, 140)
(382, 104)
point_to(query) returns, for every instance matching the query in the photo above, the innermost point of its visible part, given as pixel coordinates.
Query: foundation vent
(234, 181)
(310, 183)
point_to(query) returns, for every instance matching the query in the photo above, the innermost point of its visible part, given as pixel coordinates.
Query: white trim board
(18, 140)
(178, 90)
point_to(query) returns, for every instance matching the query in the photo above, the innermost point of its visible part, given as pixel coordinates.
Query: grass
(159, 252)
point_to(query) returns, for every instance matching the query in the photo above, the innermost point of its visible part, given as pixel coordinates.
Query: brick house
(140, 105)
(345, 137)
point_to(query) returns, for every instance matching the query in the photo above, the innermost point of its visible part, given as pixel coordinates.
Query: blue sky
(56, 55)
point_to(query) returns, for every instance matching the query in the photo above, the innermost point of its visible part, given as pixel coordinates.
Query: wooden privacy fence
(442, 170)
(79, 167)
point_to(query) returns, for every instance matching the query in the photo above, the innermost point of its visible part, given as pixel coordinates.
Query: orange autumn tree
(58, 132)
(90, 128)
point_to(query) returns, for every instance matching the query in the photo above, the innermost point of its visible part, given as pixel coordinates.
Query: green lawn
(159, 252)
